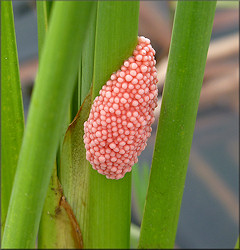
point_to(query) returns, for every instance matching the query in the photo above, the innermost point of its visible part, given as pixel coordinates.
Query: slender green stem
(110, 200)
(140, 185)
(188, 52)
(48, 235)
(43, 15)
(237, 244)
(51, 97)
(87, 62)
(12, 122)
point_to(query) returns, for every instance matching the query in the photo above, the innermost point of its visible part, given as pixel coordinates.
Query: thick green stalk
(188, 52)
(51, 97)
(12, 122)
(110, 200)
(102, 206)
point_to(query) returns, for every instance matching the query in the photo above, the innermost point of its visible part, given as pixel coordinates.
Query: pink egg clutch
(120, 119)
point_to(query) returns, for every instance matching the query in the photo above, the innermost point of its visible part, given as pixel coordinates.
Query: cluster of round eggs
(120, 119)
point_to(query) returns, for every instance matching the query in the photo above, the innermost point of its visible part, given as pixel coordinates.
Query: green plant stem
(140, 176)
(54, 230)
(12, 123)
(110, 200)
(188, 52)
(51, 97)
(237, 244)
(43, 15)
(87, 60)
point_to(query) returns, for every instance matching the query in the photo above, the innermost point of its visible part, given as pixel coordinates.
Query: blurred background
(209, 216)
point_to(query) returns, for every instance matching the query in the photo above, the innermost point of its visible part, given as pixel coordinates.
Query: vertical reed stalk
(187, 58)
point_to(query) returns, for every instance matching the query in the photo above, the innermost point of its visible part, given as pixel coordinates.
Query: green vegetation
(56, 196)
(187, 58)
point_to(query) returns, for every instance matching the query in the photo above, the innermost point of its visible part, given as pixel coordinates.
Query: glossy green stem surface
(12, 118)
(187, 58)
(109, 214)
